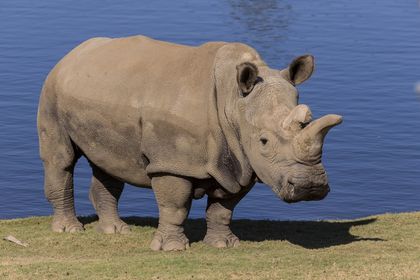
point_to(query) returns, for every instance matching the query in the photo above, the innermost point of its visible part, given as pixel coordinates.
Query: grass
(378, 247)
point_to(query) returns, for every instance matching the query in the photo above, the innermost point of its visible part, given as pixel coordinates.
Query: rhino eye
(263, 140)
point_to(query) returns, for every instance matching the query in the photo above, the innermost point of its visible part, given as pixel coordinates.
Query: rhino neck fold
(227, 162)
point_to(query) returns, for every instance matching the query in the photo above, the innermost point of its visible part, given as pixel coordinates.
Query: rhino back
(132, 104)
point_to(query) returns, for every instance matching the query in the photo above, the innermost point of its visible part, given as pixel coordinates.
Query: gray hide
(184, 121)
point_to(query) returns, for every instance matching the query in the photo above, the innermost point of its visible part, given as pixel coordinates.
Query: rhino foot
(112, 227)
(64, 224)
(169, 242)
(223, 239)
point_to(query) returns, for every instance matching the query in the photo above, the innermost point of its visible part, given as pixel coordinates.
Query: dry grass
(380, 247)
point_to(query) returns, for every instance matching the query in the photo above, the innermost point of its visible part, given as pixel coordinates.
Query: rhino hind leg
(174, 196)
(218, 218)
(59, 191)
(104, 194)
(59, 157)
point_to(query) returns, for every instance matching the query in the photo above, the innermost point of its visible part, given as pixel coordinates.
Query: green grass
(379, 247)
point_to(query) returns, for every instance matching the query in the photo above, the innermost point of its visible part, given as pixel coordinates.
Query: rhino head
(280, 140)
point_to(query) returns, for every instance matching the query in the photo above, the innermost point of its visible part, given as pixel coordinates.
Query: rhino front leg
(218, 218)
(174, 196)
(104, 194)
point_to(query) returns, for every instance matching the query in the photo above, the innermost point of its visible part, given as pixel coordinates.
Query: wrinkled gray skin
(185, 121)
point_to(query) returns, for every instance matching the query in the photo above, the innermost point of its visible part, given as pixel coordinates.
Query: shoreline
(94, 216)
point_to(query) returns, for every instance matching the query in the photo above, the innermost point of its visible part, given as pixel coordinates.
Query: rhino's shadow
(308, 234)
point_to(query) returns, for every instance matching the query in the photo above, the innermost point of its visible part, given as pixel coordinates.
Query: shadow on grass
(308, 234)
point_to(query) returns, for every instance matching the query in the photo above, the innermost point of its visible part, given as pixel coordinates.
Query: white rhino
(185, 121)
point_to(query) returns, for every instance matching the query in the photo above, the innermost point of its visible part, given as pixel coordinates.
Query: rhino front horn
(307, 145)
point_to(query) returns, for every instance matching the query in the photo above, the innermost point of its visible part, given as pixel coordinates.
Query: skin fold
(184, 121)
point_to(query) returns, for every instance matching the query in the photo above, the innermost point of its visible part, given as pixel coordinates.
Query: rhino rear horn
(297, 118)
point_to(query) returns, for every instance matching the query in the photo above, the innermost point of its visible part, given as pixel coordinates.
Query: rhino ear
(247, 75)
(299, 70)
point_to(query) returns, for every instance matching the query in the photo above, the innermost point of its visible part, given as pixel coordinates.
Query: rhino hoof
(221, 240)
(170, 242)
(71, 225)
(113, 227)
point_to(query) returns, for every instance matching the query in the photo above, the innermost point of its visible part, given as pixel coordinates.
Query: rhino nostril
(263, 140)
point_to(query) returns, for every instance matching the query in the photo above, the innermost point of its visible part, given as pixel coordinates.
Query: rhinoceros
(184, 121)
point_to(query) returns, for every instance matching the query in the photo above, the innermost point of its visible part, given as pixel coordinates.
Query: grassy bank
(379, 247)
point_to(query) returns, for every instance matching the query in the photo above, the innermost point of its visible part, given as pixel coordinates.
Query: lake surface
(368, 61)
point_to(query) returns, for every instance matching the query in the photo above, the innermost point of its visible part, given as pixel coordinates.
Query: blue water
(368, 61)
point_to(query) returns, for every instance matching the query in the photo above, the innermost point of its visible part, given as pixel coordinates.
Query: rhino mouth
(291, 192)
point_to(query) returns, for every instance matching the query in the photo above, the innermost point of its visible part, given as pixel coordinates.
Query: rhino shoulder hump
(239, 52)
